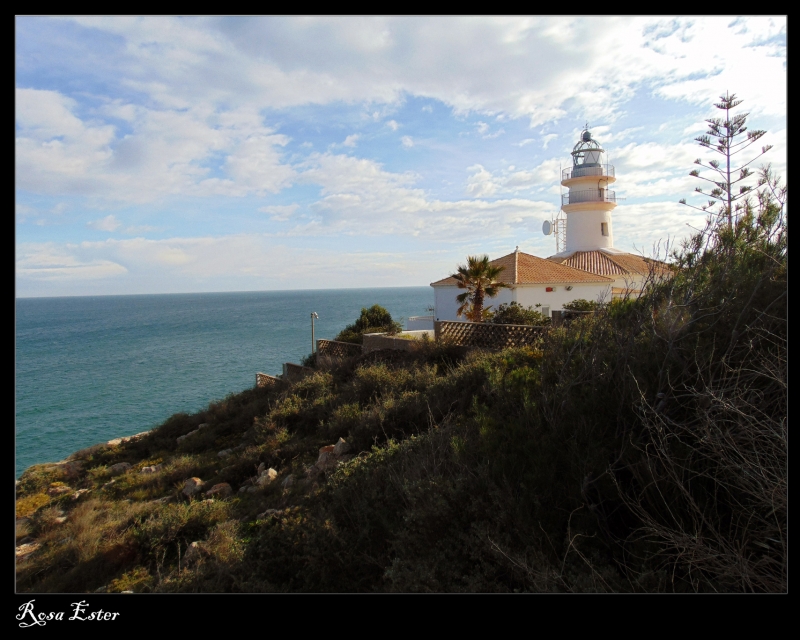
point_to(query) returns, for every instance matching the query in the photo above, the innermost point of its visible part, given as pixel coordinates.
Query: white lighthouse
(589, 202)
(587, 266)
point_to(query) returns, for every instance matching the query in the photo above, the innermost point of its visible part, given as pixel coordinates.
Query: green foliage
(580, 305)
(480, 279)
(376, 319)
(640, 448)
(729, 139)
(515, 313)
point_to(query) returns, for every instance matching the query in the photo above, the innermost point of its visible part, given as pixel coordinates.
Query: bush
(515, 313)
(376, 319)
(580, 305)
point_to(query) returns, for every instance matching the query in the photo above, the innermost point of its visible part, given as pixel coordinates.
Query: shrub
(376, 319)
(580, 305)
(515, 313)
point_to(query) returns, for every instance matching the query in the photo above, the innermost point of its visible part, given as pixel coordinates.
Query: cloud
(351, 140)
(194, 152)
(392, 124)
(547, 139)
(481, 183)
(407, 142)
(109, 223)
(280, 213)
(49, 261)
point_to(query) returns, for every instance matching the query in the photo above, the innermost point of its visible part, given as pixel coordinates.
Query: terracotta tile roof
(610, 264)
(523, 268)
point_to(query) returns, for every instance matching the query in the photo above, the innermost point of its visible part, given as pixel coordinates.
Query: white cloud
(392, 124)
(481, 183)
(407, 142)
(547, 139)
(280, 213)
(351, 140)
(58, 153)
(109, 223)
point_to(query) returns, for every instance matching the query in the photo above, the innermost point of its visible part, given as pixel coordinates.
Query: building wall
(584, 230)
(445, 304)
(531, 295)
(526, 295)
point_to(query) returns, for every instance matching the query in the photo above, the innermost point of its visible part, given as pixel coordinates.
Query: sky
(199, 154)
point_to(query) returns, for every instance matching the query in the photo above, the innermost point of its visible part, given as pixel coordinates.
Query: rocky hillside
(641, 448)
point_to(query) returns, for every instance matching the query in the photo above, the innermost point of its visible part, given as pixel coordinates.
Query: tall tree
(729, 139)
(481, 281)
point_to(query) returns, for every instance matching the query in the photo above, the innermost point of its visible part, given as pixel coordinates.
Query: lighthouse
(589, 202)
(587, 266)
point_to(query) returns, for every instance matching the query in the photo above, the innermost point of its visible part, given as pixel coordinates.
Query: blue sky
(158, 155)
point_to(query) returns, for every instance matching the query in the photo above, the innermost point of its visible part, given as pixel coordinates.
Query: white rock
(261, 468)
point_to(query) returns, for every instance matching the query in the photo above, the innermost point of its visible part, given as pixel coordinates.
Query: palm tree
(479, 278)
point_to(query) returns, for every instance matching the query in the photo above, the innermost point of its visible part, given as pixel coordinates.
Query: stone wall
(295, 372)
(375, 341)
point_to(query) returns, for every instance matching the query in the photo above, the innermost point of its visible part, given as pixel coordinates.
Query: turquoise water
(89, 369)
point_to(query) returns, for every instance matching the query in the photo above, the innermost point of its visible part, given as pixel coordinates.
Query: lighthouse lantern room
(589, 202)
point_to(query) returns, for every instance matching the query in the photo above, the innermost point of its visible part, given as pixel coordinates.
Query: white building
(589, 267)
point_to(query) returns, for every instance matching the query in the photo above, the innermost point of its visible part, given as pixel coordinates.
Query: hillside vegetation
(641, 448)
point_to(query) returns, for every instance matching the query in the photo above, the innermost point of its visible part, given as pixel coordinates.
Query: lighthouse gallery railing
(580, 171)
(589, 195)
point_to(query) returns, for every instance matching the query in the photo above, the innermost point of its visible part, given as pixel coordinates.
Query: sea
(93, 368)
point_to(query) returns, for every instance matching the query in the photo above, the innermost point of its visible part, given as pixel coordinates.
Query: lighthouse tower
(589, 203)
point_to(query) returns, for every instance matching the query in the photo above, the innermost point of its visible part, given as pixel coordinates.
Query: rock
(186, 435)
(80, 492)
(202, 426)
(346, 457)
(342, 447)
(242, 489)
(266, 477)
(58, 491)
(224, 453)
(252, 489)
(192, 486)
(326, 460)
(119, 468)
(327, 449)
(60, 519)
(313, 471)
(222, 490)
(72, 469)
(152, 468)
(194, 553)
(116, 442)
(268, 512)
(288, 482)
(261, 468)
(101, 589)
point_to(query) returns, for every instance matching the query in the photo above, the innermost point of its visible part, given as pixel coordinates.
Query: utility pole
(313, 342)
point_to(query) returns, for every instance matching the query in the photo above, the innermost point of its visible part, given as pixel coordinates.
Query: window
(546, 311)
(604, 228)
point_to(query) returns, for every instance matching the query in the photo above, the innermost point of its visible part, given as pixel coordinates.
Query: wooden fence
(488, 336)
(265, 380)
(334, 349)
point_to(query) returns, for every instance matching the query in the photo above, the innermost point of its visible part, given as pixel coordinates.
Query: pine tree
(728, 142)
